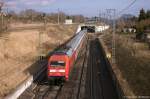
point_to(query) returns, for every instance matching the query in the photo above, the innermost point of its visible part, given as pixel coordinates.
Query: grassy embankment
(133, 60)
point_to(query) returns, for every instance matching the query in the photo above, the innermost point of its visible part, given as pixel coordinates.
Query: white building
(102, 28)
(129, 30)
(68, 21)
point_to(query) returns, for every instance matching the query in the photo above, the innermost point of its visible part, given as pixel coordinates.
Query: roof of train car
(67, 50)
(75, 39)
(62, 50)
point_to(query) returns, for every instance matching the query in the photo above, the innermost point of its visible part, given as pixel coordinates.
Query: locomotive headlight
(52, 71)
(62, 70)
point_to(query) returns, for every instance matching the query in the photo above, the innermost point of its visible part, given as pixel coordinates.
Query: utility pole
(45, 21)
(1, 13)
(58, 17)
(108, 16)
(112, 13)
(100, 17)
(104, 15)
(40, 50)
(31, 17)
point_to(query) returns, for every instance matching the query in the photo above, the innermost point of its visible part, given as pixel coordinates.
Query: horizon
(77, 7)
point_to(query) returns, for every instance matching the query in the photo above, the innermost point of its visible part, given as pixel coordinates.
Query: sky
(85, 7)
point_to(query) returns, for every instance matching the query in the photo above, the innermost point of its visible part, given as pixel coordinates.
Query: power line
(127, 7)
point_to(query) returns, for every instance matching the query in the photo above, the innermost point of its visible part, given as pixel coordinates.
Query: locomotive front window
(57, 63)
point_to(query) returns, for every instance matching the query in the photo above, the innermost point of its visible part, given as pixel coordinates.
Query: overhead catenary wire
(127, 7)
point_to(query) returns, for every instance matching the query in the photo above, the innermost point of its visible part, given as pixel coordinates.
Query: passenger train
(61, 62)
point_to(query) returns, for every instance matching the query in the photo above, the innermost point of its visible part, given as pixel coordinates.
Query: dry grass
(133, 59)
(20, 50)
(16, 54)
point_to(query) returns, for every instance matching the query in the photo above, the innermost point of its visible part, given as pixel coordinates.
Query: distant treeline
(143, 21)
(140, 22)
(30, 15)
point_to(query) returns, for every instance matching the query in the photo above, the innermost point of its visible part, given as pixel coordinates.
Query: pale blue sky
(85, 7)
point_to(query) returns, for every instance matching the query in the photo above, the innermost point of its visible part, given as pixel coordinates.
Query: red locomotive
(61, 62)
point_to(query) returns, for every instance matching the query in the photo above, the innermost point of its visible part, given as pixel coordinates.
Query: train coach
(60, 63)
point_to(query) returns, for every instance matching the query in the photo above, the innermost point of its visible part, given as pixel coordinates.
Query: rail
(82, 71)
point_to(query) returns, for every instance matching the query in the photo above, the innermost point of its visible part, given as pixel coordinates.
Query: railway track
(47, 92)
(82, 80)
(99, 82)
(42, 90)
